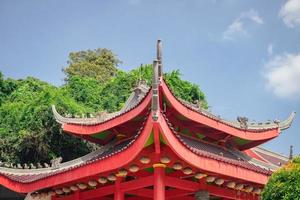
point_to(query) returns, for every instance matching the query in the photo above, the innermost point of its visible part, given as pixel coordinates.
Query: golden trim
(159, 165)
(120, 136)
(120, 175)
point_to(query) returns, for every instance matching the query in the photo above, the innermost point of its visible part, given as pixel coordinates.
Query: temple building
(157, 146)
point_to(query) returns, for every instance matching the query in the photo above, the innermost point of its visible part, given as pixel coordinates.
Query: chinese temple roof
(155, 128)
(241, 133)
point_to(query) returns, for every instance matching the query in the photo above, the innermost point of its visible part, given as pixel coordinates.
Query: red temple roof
(242, 134)
(153, 131)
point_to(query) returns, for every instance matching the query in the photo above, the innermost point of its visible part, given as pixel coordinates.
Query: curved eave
(207, 163)
(82, 129)
(262, 134)
(113, 162)
(288, 122)
(136, 97)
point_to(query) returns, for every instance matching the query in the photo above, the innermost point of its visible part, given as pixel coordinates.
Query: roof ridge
(105, 117)
(260, 148)
(243, 124)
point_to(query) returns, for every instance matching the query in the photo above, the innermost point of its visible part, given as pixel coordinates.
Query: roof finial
(159, 57)
(140, 72)
(155, 83)
(291, 152)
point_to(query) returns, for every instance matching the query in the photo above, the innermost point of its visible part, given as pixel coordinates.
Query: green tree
(28, 132)
(85, 90)
(185, 89)
(100, 64)
(7, 86)
(284, 184)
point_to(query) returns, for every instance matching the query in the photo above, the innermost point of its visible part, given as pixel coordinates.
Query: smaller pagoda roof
(31, 175)
(136, 97)
(267, 156)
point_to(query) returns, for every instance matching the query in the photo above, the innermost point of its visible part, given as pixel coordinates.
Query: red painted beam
(226, 193)
(182, 184)
(212, 189)
(137, 198)
(184, 198)
(209, 164)
(124, 187)
(176, 193)
(137, 184)
(96, 193)
(148, 193)
(69, 197)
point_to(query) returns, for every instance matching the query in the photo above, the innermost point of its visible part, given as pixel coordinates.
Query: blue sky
(245, 55)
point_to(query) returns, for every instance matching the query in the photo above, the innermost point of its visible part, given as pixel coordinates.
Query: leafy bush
(284, 184)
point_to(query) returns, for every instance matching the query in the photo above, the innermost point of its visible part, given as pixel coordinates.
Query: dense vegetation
(284, 184)
(28, 132)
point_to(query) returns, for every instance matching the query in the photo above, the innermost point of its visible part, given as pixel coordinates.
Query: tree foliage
(28, 131)
(6, 87)
(284, 184)
(184, 89)
(100, 64)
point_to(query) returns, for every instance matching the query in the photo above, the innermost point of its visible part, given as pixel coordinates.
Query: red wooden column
(159, 181)
(119, 194)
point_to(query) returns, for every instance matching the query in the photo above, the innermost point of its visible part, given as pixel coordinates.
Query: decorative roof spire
(155, 83)
(159, 57)
(291, 152)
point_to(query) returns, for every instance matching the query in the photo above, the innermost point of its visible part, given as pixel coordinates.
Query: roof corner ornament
(155, 82)
(55, 163)
(159, 57)
(243, 122)
(288, 122)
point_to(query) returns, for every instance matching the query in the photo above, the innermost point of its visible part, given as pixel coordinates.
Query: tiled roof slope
(30, 175)
(270, 157)
(136, 97)
(252, 126)
(220, 153)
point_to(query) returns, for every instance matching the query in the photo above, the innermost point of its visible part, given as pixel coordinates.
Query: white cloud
(252, 15)
(237, 27)
(290, 13)
(282, 75)
(270, 49)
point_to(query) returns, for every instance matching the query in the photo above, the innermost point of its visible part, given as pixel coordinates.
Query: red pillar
(119, 194)
(159, 181)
